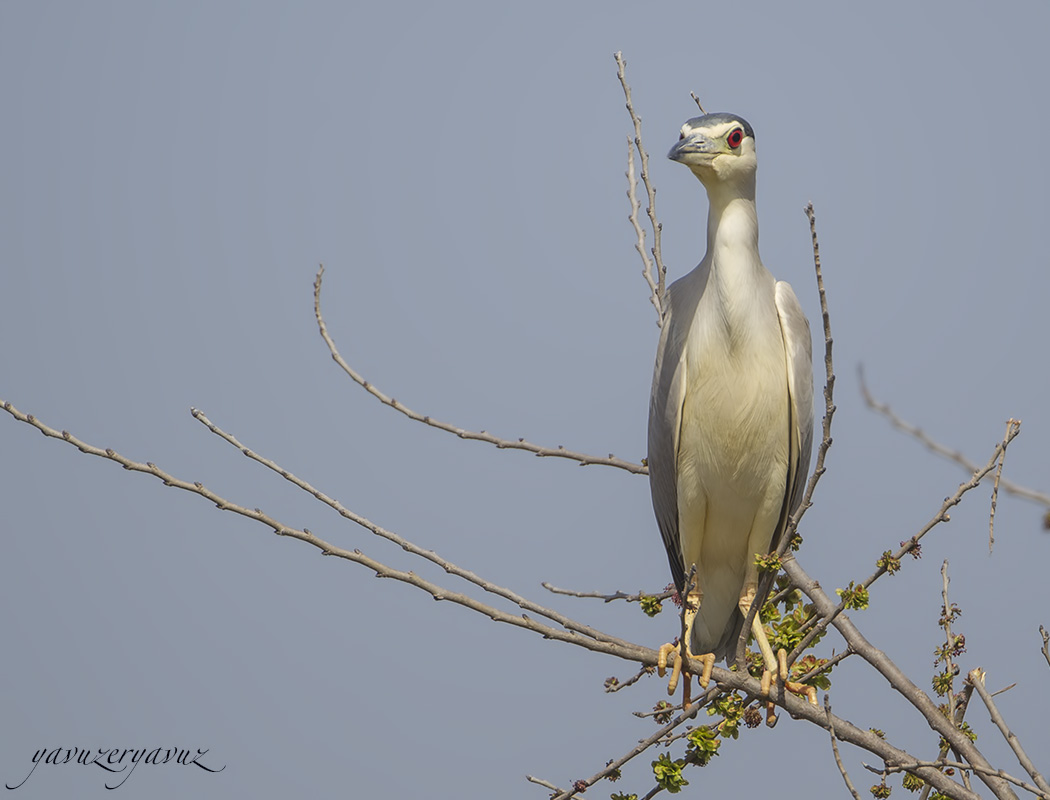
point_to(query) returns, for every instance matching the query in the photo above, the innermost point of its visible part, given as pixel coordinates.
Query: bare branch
(1008, 486)
(547, 785)
(835, 750)
(827, 666)
(1045, 649)
(661, 271)
(615, 684)
(655, 293)
(949, 640)
(697, 101)
(643, 745)
(995, 489)
(604, 644)
(976, 679)
(941, 516)
(944, 764)
(400, 541)
(480, 436)
(608, 598)
(829, 390)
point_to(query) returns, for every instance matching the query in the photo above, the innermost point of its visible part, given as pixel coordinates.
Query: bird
(731, 410)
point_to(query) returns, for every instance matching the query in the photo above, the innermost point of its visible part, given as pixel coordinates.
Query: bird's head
(718, 148)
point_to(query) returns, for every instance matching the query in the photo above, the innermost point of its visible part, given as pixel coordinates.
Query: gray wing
(665, 412)
(799, 346)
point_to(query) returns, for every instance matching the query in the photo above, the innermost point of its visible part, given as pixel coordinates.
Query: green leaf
(855, 597)
(668, 774)
(650, 605)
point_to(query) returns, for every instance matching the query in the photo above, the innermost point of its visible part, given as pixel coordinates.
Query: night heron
(731, 411)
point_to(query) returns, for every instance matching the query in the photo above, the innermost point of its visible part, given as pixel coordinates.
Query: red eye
(735, 137)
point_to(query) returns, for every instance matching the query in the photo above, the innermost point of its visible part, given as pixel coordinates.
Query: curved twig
(400, 541)
(657, 285)
(941, 516)
(481, 436)
(919, 435)
(835, 751)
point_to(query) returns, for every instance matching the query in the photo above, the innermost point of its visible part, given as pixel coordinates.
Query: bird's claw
(795, 688)
(678, 668)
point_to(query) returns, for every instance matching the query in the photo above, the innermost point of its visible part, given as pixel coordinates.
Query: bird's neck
(741, 284)
(732, 224)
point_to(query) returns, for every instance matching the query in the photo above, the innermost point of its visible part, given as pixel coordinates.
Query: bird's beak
(693, 144)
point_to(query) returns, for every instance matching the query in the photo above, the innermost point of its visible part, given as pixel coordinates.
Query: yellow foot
(677, 669)
(795, 688)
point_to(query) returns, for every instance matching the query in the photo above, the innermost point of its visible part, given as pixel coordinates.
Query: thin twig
(917, 433)
(481, 436)
(655, 295)
(945, 764)
(949, 641)
(547, 785)
(608, 598)
(835, 750)
(829, 390)
(995, 490)
(976, 678)
(697, 101)
(827, 666)
(605, 644)
(642, 746)
(1045, 650)
(615, 684)
(962, 703)
(941, 516)
(400, 541)
(659, 293)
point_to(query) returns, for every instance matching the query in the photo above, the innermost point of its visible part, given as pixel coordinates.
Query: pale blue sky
(172, 175)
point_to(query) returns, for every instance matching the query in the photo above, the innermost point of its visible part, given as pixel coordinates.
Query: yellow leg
(678, 665)
(773, 664)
